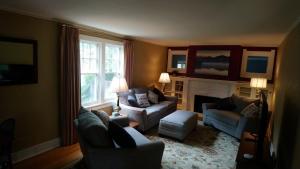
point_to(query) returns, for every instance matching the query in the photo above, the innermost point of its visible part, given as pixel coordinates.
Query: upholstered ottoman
(178, 124)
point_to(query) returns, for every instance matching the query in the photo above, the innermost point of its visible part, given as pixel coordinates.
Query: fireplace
(199, 99)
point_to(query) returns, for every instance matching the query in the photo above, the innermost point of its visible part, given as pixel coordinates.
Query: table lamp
(118, 85)
(259, 83)
(164, 78)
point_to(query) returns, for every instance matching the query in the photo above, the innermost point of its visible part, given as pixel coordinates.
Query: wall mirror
(177, 60)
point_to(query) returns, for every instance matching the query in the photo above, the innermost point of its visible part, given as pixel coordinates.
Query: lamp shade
(258, 83)
(164, 78)
(119, 84)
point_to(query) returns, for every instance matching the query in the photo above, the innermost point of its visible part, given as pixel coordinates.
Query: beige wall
(286, 131)
(34, 106)
(149, 61)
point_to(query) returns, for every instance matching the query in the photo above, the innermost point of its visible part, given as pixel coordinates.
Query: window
(100, 61)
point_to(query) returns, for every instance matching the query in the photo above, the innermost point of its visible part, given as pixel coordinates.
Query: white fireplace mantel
(212, 88)
(208, 87)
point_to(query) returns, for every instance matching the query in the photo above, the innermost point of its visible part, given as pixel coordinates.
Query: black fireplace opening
(199, 99)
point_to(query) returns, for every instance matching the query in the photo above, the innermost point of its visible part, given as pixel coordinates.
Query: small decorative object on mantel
(258, 64)
(174, 73)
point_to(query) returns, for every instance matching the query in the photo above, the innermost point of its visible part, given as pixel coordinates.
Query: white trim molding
(35, 150)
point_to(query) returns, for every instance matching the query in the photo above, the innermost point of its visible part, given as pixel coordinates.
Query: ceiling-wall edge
(60, 21)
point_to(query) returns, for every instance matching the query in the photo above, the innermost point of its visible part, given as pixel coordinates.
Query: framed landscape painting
(212, 62)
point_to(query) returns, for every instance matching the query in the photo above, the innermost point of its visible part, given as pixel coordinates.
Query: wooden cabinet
(178, 87)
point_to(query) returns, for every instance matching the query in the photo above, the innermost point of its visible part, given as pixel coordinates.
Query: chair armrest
(171, 98)
(146, 156)
(121, 120)
(135, 114)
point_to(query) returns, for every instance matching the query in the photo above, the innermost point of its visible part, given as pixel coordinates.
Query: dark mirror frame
(34, 44)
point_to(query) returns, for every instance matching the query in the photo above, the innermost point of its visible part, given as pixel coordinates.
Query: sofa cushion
(140, 90)
(132, 101)
(242, 102)
(93, 130)
(225, 104)
(250, 111)
(104, 117)
(142, 100)
(224, 116)
(161, 96)
(120, 136)
(153, 98)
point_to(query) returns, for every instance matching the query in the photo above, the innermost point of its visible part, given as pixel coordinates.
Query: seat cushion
(224, 116)
(93, 130)
(159, 107)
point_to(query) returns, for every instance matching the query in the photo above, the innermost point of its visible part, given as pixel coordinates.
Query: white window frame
(101, 75)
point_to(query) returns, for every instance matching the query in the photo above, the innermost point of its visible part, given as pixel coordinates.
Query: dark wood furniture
(7, 130)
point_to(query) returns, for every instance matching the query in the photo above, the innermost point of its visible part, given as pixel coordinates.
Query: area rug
(204, 148)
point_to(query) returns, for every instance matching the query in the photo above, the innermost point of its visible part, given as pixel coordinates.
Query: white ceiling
(175, 22)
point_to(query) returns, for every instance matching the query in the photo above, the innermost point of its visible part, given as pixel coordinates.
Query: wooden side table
(123, 119)
(133, 124)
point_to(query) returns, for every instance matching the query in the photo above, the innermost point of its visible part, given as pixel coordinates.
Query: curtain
(69, 83)
(128, 54)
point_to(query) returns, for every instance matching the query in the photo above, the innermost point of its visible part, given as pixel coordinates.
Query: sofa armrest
(135, 114)
(171, 98)
(206, 106)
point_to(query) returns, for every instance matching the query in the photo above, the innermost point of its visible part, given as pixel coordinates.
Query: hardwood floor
(53, 159)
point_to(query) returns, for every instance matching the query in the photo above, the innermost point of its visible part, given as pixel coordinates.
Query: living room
(76, 54)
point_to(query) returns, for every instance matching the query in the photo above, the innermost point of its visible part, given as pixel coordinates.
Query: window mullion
(99, 53)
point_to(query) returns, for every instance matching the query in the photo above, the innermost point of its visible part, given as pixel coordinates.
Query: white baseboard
(35, 150)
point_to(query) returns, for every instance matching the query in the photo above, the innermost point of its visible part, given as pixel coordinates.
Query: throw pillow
(132, 100)
(142, 100)
(242, 102)
(120, 136)
(153, 98)
(250, 111)
(103, 116)
(161, 96)
(225, 104)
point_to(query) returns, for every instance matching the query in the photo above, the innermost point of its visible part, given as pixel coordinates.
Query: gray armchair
(230, 122)
(104, 155)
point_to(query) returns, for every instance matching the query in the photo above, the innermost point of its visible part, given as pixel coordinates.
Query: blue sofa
(230, 121)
